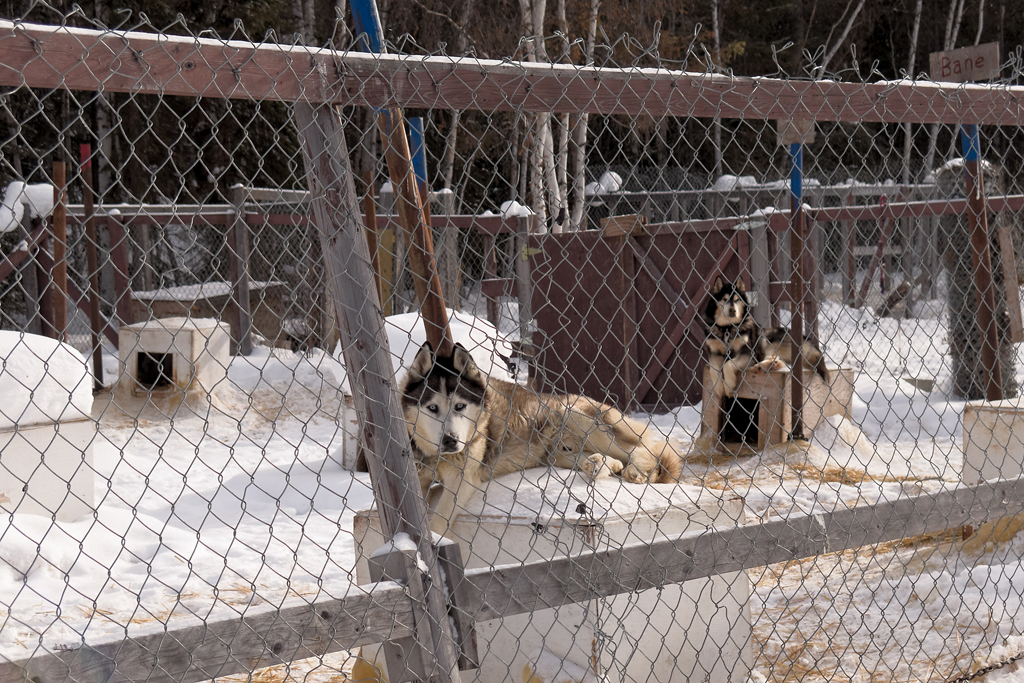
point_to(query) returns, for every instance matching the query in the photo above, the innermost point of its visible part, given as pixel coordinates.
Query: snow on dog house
(46, 428)
(170, 361)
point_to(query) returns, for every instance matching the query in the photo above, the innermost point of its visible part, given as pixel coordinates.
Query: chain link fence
(206, 240)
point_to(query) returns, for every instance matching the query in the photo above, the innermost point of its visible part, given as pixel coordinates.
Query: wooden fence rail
(297, 629)
(140, 63)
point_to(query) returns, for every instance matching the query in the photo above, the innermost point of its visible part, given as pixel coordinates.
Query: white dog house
(170, 361)
(695, 631)
(46, 428)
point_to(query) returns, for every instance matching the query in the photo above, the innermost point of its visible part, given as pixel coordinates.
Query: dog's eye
(459, 407)
(433, 408)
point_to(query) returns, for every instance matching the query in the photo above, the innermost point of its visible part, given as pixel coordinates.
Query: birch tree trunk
(341, 32)
(579, 133)
(911, 63)
(715, 27)
(956, 14)
(543, 140)
(562, 123)
(461, 45)
(821, 69)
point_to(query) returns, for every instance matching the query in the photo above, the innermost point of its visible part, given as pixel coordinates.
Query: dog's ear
(423, 361)
(719, 285)
(740, 287)
(464, 364)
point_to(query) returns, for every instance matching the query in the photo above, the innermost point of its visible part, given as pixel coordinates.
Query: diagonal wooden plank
(21, 251)
(686, 317)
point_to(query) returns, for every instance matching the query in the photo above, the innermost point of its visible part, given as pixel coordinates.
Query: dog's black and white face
(443, 399)
(727, 305)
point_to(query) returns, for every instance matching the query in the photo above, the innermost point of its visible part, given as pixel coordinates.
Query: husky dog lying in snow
(466, 428)
(735, 341)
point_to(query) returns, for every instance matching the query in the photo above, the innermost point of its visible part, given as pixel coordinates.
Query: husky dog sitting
(466, 428)
(735, 342)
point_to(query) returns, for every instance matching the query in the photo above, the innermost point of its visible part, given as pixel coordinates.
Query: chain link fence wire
(184, 483)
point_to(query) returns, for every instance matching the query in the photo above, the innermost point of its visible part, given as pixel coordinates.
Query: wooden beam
(382, 429)
(981, 259)
(47, 56)
(520, 589)
(930, 207)
(414, 216)
(22, 251)
(238, 256)
(92, 262)
(119, 262)
(45, 262)
(263, 636)
(60, 251)
(1007, 256)
(365, 615)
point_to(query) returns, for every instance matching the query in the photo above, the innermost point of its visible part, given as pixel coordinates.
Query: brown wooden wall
(603, 309)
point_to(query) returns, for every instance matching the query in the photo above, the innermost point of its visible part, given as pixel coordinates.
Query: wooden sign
(966, 65)
(791, 132)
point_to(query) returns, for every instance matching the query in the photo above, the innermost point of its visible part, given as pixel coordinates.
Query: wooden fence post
(977, 216)
(92, 260)
(119, 262)
(60, 253)
(760, 270)
(29, 278)
(368, 359)
(797, 246)
(238, 253)
(525, 283)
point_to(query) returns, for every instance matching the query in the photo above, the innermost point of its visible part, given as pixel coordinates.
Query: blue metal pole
(369, 33)
(419, 150)
(797, 286)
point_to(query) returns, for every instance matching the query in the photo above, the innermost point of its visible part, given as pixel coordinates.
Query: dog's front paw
(773, 364)
(599, 466)
(634, 475)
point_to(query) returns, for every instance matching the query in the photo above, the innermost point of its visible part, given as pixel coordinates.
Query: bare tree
(579, 132)
(562, 122)
(461, 46)
(981, 21)
(341, 32)
(911, 64)
(822, 68)
(543, 141)
(956, 14)
(304, 12)
(716, 29)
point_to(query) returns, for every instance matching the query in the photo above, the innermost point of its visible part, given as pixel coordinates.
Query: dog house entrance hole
(156, 370)
(739, 420)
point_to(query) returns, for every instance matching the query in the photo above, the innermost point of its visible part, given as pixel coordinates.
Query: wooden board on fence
(791, 132)
(386, 254)
(617, 226)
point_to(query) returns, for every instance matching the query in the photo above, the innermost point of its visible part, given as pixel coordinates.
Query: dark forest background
(191, 151)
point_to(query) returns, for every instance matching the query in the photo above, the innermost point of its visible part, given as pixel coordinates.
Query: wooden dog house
(762, 407)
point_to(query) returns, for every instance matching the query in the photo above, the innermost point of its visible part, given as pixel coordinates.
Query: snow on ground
(201, 518)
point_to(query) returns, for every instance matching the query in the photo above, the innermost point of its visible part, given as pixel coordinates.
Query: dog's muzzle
(449, 444)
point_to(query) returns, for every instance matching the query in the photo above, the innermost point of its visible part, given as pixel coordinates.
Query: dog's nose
(449, 442)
